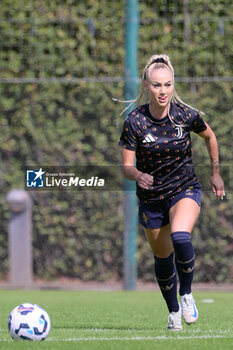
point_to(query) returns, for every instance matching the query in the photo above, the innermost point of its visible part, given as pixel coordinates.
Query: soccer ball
(29, 322)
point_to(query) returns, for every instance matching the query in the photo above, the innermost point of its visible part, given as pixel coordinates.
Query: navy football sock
(184, 259)
(166, 276)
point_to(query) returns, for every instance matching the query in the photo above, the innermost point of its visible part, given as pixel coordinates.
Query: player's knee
(180, 238)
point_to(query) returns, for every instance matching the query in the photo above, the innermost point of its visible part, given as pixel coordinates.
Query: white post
(20, 238)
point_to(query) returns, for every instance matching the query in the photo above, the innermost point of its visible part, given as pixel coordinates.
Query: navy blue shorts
(156, 215)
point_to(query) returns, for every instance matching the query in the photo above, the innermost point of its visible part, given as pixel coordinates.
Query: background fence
(61, 63)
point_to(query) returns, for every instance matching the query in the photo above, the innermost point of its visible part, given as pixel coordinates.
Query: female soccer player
(158, 135)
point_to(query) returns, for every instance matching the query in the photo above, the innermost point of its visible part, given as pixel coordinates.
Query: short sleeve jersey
(163, 149)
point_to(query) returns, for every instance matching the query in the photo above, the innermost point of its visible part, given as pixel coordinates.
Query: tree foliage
(65, 123)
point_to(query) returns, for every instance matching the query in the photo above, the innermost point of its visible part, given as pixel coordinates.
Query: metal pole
(130, 199)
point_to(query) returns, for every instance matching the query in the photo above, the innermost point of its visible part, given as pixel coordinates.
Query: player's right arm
(132, 173)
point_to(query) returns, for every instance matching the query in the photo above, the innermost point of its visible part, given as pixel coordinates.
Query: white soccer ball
(28, 322)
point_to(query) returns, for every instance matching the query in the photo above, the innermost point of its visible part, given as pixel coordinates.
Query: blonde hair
(155, 62)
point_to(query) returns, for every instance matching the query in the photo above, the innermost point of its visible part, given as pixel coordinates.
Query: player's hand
(217, 186)
(145, 181)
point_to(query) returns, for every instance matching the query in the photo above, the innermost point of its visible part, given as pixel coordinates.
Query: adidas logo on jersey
(149, 138)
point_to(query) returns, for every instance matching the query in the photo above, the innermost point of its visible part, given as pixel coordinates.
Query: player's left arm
(212, 147)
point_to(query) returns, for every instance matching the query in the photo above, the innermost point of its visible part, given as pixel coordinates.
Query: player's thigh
(184, 214)
(160, 241)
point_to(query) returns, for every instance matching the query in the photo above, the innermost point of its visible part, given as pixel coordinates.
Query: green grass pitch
(120, 320)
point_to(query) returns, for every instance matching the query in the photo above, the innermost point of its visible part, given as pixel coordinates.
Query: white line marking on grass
(207, 332)
(162, 337)
(141, 338)
(222, 334)
(208, 301)
(96, 330)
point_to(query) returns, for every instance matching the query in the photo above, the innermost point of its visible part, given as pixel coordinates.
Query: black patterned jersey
(163, 149)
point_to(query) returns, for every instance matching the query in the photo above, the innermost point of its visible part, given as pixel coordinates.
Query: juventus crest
(180, 131)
